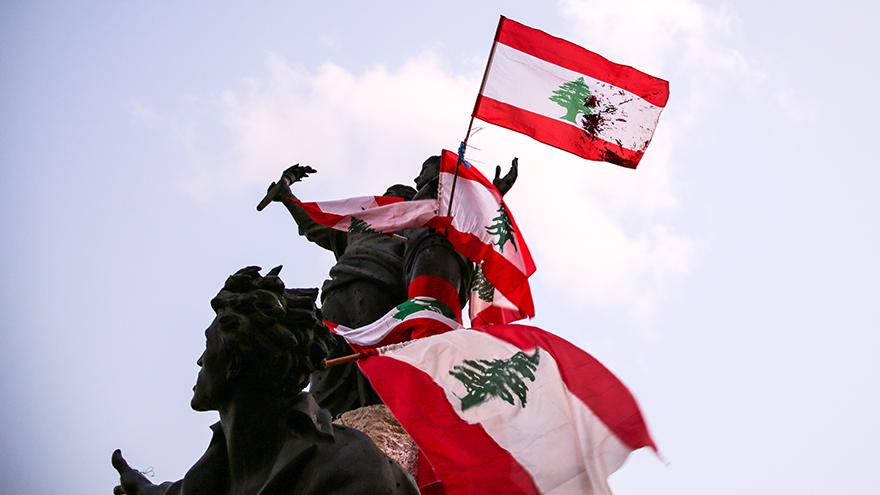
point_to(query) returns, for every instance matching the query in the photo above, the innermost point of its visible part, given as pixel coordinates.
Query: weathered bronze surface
(272, 438)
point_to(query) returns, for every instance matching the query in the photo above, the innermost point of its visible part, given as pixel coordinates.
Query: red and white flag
(568, 97)
(479, 226)
(410, 319)
(373, 213)
(483, 229)
(509, 409)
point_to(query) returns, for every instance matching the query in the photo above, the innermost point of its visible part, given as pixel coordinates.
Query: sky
(731, 282)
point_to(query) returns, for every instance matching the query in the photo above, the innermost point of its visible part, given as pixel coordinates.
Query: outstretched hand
(280, 191)
(131, 481)
(503, 184)
(296, 173)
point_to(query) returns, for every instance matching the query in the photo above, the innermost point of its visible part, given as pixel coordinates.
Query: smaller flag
(483, 229)
(568, 97)
(422, 315)
(488, 306)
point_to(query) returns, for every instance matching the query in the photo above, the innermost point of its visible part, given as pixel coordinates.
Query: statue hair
(277, 332)
(401, 191)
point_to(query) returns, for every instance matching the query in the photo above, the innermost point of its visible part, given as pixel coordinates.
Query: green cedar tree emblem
(484, 289)
(501, 378)
(503, 228)
(574, 96)
(415, 305)
(359, 226)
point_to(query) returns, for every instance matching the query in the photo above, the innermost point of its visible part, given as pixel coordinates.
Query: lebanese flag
(566, 96)
(483, 229)
(410, 319)
(373, 213)
(488, 306)
(509, 409)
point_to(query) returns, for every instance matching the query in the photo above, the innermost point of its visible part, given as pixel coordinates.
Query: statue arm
(132, 482)
(326, 237)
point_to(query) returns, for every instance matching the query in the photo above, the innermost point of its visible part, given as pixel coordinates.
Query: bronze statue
(373, 274)
(272, 438)
(430, 255)
(366, 282)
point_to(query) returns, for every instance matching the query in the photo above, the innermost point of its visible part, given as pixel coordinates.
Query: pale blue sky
(731, 282)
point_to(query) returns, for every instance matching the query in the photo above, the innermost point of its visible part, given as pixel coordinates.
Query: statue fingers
(118, 461)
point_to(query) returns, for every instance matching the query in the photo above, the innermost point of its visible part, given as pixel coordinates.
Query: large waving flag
(568, 97)
(483, 229)
(509, 409)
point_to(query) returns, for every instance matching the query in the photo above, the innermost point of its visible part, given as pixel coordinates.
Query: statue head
(265, 340)
(400, 191)
(430, 171)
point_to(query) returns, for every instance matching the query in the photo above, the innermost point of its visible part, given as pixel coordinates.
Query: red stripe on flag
(555, 132)
(319, 215)
(496, 314)
(465, 458)
(503, 274)
(440, 289)
(586, 378)
(387, 200)
(573, 57)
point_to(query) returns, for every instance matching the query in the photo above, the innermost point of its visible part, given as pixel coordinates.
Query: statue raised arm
(366, 282)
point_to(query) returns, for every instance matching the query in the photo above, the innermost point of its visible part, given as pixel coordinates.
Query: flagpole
(367, 352)
(461, 148)
(351, 357)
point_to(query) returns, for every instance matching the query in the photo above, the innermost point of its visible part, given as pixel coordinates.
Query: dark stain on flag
(616, 159)
(602, 115)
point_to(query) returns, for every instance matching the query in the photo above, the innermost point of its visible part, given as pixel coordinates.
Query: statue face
(213, 387)
(430, 170)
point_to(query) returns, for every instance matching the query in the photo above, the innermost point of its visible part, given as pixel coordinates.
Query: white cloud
(143, 113)
(682, 41)
(795, 105)
(653, 34)
(602, 235)
(360, 131)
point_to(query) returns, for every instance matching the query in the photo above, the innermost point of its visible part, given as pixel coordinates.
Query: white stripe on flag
(372, 334)
(347, 206)
(527, 82)
(561, 443)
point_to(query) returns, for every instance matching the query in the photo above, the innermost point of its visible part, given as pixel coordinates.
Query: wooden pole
(471, 124)
(351, 357)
